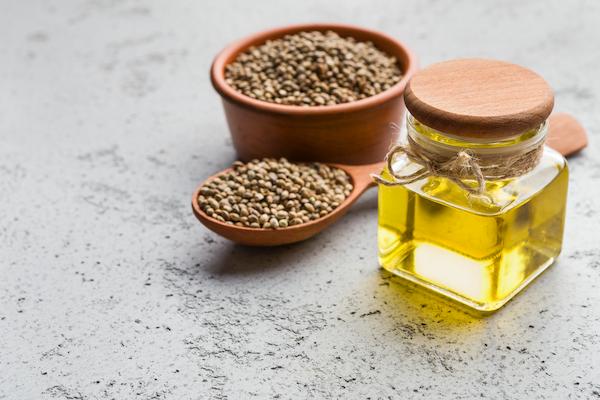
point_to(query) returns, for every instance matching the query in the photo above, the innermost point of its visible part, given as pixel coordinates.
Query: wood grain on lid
(479, 98)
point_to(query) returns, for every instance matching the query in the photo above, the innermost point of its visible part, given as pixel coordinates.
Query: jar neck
(446, 144)
(469, 163)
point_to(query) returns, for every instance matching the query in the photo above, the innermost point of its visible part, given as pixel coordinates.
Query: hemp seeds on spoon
(272, 194)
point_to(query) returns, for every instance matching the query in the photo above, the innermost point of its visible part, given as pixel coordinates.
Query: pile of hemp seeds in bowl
(274, 194)
(313, 69)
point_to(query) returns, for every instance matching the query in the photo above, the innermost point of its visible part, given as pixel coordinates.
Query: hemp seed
(313, 69)
(321, 190)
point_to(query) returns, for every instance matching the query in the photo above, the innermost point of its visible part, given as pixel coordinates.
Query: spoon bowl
(361, 181)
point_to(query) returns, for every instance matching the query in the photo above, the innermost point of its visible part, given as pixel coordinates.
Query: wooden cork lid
(479, 98)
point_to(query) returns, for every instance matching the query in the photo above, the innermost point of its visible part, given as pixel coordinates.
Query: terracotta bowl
(351, 133)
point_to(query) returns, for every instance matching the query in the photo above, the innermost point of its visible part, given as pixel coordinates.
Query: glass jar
(478, 250)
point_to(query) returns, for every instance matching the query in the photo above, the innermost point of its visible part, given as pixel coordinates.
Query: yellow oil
(477, 251)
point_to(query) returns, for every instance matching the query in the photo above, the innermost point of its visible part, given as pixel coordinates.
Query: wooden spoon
(361, 181)
(565, 135)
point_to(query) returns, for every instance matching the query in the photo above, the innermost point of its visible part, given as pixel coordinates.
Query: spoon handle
(565, 134)
(361, 175)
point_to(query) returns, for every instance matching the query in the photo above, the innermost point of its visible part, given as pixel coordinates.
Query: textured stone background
(109, 288)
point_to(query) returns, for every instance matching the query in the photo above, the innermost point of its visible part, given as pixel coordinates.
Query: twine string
(462, 165)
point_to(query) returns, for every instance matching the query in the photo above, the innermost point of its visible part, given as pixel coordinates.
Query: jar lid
(479, 98)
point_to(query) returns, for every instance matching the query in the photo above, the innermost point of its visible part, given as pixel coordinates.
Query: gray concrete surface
(110, 289)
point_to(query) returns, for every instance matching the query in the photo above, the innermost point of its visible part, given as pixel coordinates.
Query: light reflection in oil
(452, 271)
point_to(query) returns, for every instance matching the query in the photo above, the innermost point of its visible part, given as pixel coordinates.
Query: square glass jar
(477, 250)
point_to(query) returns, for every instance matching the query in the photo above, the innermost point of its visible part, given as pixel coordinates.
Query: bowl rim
(217, 71)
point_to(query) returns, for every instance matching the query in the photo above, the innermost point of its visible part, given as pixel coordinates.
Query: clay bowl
(352, 133)
(361, 181)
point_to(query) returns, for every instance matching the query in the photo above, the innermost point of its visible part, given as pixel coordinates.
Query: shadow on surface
(411, 302)
(415, 302)
(234, 259)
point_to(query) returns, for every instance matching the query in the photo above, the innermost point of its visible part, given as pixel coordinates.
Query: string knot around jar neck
(460, 164)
